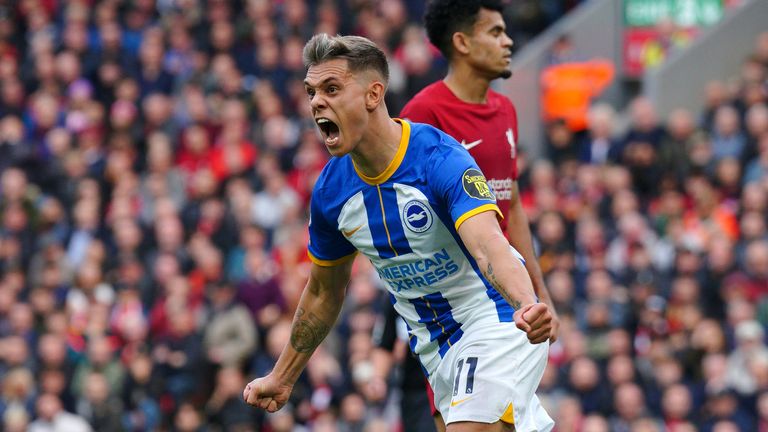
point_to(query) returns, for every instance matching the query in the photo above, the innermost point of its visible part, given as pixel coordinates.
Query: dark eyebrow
(325, 81)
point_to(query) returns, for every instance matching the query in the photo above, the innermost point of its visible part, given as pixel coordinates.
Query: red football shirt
(488, 131)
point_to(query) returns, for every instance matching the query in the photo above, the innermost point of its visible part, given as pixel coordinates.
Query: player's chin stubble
(505, 74)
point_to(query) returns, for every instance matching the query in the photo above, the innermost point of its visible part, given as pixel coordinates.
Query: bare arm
(483, 238)
(317, 312)
(520, 237)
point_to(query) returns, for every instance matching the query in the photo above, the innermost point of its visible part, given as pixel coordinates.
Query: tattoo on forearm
(314, 288)
(491, 277)
(308, 331)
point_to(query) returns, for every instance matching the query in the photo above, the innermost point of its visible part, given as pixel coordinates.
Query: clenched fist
(267, 393)
(535, 320)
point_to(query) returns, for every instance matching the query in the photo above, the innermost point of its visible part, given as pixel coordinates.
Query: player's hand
(267, 393)
(535, 320)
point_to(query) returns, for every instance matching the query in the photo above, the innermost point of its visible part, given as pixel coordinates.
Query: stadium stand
(156, 159)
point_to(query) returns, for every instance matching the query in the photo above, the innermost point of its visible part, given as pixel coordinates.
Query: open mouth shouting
(330, 131)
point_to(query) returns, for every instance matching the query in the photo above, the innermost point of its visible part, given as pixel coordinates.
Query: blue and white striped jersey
(405, 221)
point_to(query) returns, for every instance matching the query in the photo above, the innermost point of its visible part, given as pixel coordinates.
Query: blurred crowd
(156, 160)
(655, 248)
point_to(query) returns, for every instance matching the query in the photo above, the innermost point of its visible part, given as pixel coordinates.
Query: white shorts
(492, 374)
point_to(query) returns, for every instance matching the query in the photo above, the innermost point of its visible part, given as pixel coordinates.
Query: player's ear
(375, 95)
(461, 43)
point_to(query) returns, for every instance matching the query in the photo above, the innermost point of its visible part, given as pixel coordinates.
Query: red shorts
(431, 397)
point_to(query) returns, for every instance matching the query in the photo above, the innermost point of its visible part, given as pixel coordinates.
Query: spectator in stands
(225, 407)
(562, 51)
(260, 290)
(178, 356)
(272, 205)
(728, 139)
(721, 409)
(676, 143)
(629, 406)
(100, 358)
(755, 269)
(584, 380)
(569, 413)
(677, 406)
(561, 143)
(188, 419)
(230, 337)
(51, 417)
(598, 146)
(644, 125)
(17, 391)
(762, 412)
(14, 147)
(52, 355)
(757, 168)
(102, 410)
(141, 395)
(750, 345)
(16, 419)
(755, 126)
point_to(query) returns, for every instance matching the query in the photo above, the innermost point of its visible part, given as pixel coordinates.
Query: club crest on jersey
(512, 143)
(475, 185)
(417, 216)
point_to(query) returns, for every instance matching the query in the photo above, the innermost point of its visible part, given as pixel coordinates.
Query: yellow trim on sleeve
(509, 414)
(478, 210)
(330, 263)
(396, 161)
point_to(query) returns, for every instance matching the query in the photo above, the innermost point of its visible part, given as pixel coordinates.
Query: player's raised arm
(317, 312)
(483, 238)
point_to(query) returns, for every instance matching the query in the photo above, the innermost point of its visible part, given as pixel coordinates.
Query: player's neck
(467, 86)
(378, 146)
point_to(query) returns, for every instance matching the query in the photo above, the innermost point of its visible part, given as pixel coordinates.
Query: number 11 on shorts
(470, 380)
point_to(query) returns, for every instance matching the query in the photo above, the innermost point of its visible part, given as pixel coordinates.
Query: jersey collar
(396, 161)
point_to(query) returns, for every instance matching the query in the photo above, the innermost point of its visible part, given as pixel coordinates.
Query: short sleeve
(460, 183)
(327, 246)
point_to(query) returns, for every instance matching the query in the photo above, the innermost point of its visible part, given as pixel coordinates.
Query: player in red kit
(471, 34)
(487, 130)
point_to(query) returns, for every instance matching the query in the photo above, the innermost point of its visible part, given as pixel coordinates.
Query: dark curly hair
(446, 17)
